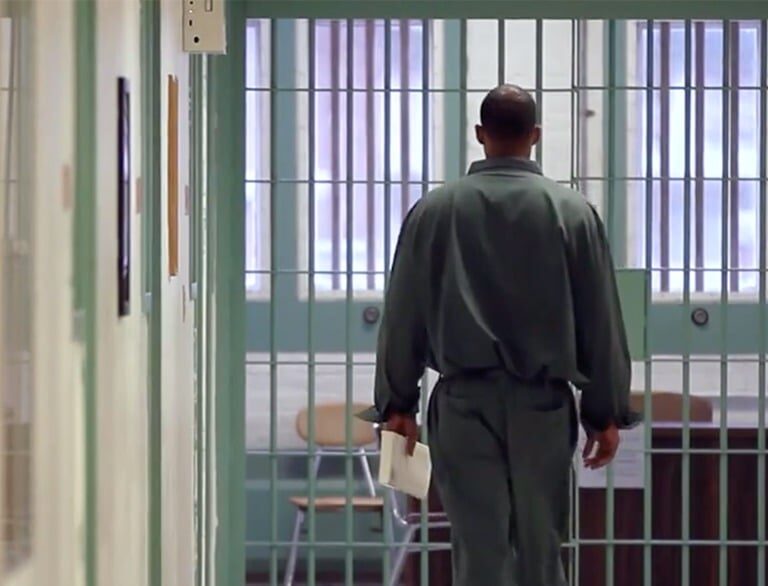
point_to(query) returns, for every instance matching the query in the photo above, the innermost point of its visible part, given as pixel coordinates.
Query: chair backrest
(330, 426)
(668, 407)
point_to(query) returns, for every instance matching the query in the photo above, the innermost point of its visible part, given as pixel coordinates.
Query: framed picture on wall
(123, 198)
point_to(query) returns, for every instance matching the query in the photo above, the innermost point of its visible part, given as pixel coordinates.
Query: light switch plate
(204, 26)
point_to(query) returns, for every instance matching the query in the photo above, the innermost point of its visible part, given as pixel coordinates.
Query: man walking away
(503, 283)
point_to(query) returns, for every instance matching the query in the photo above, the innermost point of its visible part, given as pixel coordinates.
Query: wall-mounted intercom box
(204, 26)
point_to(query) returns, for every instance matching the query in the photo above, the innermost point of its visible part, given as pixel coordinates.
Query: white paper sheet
(408, 474)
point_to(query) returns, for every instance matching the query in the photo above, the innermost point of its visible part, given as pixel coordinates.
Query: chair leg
(290, 569)
(402, 552)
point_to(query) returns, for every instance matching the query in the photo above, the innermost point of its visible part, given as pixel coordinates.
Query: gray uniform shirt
(505, 269)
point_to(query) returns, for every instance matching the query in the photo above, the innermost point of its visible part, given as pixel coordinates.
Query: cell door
(344, 120)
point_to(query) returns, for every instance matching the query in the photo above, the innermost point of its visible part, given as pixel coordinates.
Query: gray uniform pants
(502, 453)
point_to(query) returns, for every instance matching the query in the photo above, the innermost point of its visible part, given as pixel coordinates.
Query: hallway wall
(121, 368)
(122, 390)
(178, 409)
(57, 399)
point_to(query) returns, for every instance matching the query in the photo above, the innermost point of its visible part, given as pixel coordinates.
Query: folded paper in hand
(404, 473)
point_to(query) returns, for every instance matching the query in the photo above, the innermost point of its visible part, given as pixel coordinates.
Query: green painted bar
(85, 252)
(615, 55)
(539, 84)
(311, 355)
(197, 163)
(648, 362)
(208, 313)
(761, 403)
(387, 533)
(724, 284)
(576, 108)
(227, 174)
(502, 55)
(686, 436)
(454, 104)
(611, 204)
(494, 9)
(425, 176)
(274, 40)
(462, 98)
(349, 559)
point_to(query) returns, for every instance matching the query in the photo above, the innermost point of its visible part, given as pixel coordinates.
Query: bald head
(508, 121)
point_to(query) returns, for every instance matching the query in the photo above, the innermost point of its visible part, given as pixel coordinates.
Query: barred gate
(660, 123)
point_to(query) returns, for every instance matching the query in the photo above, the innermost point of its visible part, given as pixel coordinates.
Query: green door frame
(226, 289)
(151, 231)
(495, 9)
(84, 259)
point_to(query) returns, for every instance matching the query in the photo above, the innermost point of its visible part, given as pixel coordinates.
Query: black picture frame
(123, 198)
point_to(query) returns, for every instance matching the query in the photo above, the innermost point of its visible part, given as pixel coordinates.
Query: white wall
(57, 392)
(121, 342)
(58, 445)
(178, 319)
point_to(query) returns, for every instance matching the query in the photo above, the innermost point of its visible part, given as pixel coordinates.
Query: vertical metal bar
(583, 103)
(273, 228)
(387, 148)
(539, 83)
(388, 536)
(195, 246)
(700, 94)
(611, 204)
(575, 118)
(463, 95)
(734, 155)
(205, 313)
(335, 67)
(85, 183)
(425, 169)
(723, 486)
(664, 107)
(502, 59)
(349, 569)
(311, 294)
(650, 97)
(405, 118)
(573, 551)
(763, 195)
(686, 471)
(370, 149)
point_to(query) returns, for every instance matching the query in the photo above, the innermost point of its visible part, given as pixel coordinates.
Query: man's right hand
(607, 443)
(406, 426)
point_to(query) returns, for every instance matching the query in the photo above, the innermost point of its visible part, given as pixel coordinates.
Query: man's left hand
(406, 426)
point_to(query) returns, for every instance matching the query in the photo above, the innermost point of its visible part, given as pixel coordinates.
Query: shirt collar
(505, 164)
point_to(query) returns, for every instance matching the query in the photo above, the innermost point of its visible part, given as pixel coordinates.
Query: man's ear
(536, 135)
(479, 134)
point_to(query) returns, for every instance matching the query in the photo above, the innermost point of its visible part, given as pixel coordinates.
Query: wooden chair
(330, 440)
(668, 407)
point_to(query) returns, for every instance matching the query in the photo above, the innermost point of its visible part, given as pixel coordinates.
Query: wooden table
(666, 518)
